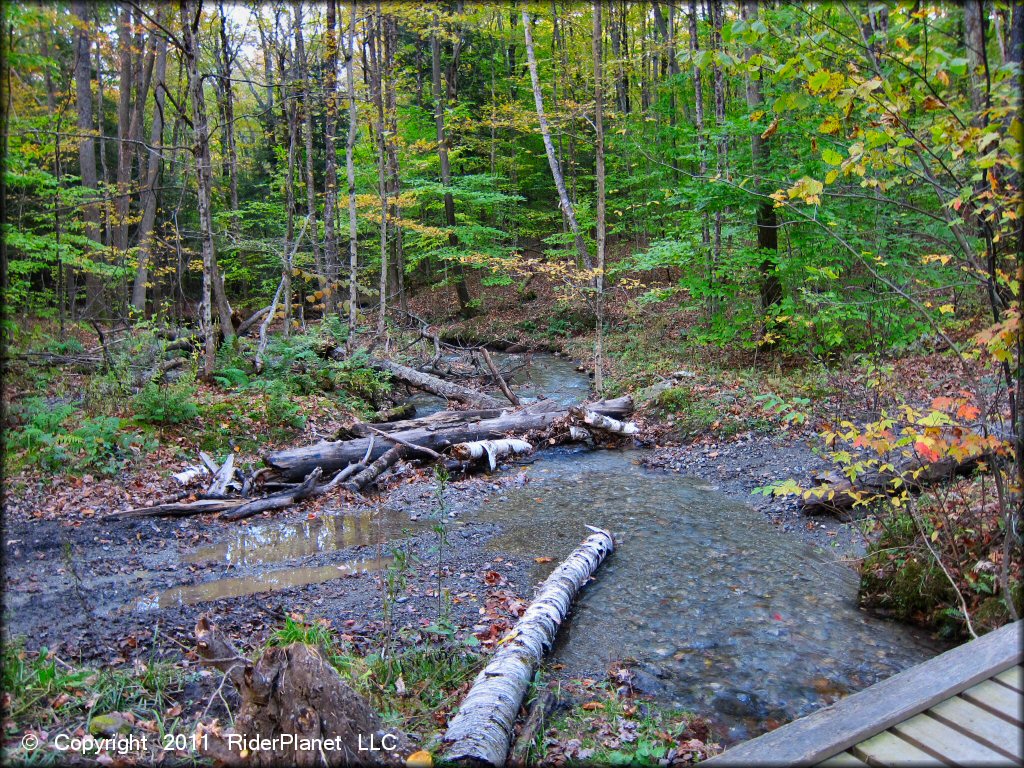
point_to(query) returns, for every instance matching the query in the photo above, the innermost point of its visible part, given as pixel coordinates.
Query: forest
(331, 329)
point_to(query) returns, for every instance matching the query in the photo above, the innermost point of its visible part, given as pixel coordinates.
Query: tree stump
(295, 710)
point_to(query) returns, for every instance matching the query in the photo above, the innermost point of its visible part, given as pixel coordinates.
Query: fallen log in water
(433, 422)
(292, 692)
(492, 449)
(604, 423)
(481, 731)
(437, 386)
(296, 463)
(839, 495)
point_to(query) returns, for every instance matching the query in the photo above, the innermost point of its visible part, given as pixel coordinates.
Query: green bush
(355, 377)
(57, 439)
(168, 404)
(231, 378)
(279, 407)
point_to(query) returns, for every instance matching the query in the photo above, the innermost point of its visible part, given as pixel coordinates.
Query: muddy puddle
(263, 581)
(273, 543)
(721, 613)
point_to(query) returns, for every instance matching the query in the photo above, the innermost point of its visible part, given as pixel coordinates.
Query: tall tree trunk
(124, 113)
(376, 46)
(391, 108)
(698, 117)
(556, 171)
(307, 136)
(599, 183)
(190, 11)
(228, 108)
(715, 7)
(86, 144)
(289, 114)
(350, 169)
(974, 40)
(461, 290)
(149, 192)
(94, 288)
(767, 225)
(330, 156)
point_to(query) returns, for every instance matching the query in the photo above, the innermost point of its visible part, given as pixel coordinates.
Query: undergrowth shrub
(167, 403)
(61, 439)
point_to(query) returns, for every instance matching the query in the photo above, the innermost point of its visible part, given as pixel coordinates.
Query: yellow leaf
(946, 309)
(420, 759)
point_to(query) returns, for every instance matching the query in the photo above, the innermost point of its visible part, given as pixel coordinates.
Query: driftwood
(604, 423)
(492, 449)
(294, 701)
(433, 422)
(376, 469)
(399, 440)
(497, 375)
(174, 509)
(481, 731)
(437, 386)
(296, 463)
(224, 476)
(189, 474)
(834, 496)
(276, 500)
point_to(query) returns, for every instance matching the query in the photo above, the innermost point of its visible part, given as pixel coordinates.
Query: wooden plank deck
(963, 707)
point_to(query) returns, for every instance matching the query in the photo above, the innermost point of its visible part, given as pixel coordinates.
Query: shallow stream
(722, 613)
(716, 610)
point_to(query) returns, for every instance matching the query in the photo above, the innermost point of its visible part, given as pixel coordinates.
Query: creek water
(718, 611)
(714, 609)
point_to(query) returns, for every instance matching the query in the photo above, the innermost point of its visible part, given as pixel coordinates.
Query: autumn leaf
(542, 559)
(771, 129)
(419, 759)
(590, 706)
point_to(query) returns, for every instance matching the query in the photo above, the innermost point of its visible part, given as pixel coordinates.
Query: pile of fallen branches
(462, 441)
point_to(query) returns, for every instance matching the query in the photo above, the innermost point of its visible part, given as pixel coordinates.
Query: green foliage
(691, 415)
(280, 409)
(43, 692)
(167, 403)
(61, 439)
(318, 634)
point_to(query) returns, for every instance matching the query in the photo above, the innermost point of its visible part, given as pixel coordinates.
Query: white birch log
(481, 731)
(579, 434)
(189, 474)
(492, 449)
(605, 423)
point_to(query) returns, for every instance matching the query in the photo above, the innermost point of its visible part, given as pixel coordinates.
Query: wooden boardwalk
(964, 707)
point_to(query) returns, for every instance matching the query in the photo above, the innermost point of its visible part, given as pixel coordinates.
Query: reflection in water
(555, 378)
(729, 616)
(267, 581)
(274, 542)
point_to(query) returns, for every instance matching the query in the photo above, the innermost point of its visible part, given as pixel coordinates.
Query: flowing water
(722, 613)
(715, 610)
